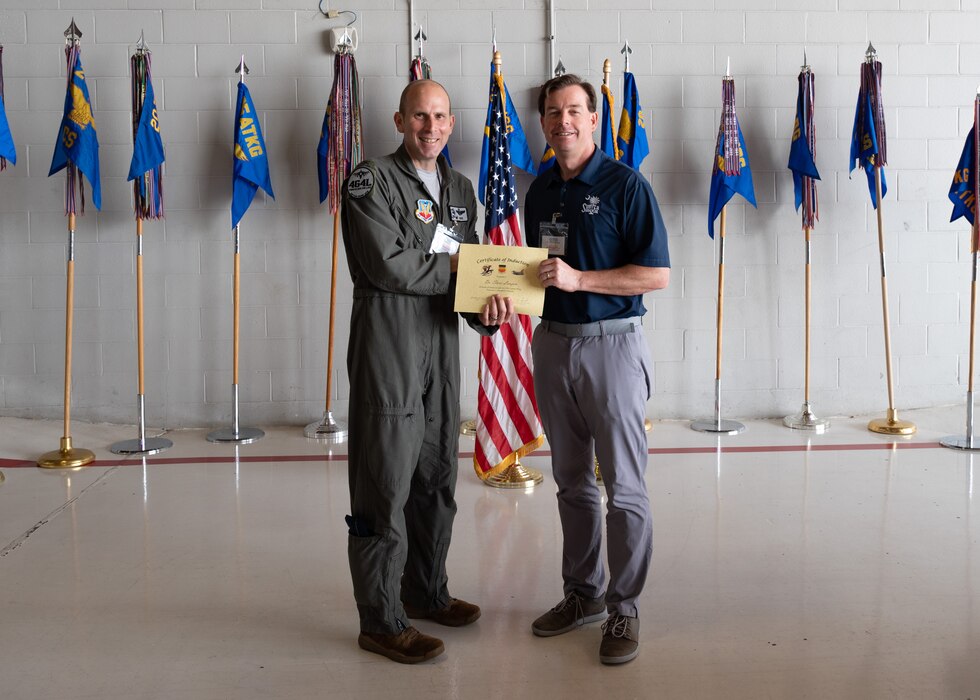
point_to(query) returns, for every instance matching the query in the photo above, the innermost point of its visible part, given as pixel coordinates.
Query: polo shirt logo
(590, 205)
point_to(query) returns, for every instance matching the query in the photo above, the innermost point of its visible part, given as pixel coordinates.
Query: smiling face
(568, 124)
(425, 120)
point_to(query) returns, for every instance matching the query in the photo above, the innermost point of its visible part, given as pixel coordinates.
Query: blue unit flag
(962, 191)
(147, 146)
(725, 186)
(251, 169)
(632, 138)
(77, 142)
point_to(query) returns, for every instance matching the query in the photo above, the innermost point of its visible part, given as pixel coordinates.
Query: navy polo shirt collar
(589, 174)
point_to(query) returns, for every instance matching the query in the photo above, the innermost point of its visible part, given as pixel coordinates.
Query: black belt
(614, 326)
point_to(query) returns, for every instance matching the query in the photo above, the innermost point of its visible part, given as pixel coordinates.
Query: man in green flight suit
(404, 216)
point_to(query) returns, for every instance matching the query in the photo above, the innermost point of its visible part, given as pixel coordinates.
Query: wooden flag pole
(68, 456)
(968, 442)
(142, 444)
(890, 425)
(717, 425)
(236, 433)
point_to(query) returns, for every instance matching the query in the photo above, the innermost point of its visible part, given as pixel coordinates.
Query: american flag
(507, 422)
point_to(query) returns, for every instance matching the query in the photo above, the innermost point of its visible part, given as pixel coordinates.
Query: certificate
(510, 271)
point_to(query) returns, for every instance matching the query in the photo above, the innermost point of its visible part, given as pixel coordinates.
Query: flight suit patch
(361, 183)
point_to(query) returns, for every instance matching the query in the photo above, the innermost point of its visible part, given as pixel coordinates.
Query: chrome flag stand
(806, 197)
(68, 456)
(968, 441)
(236, 433)
(342, 131)
(148, 193)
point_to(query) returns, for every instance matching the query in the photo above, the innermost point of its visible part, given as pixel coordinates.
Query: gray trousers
(592, 395)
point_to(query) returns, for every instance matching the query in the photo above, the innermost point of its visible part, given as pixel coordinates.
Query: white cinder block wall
(931, 58)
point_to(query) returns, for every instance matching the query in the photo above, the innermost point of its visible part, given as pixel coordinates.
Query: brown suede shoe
(407, 647)
(456, 614)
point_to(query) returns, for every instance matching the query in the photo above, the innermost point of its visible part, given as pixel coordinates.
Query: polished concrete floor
(786, 565)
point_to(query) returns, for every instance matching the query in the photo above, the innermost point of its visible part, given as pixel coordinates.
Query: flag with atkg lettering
(801, 150)
(520, 152)
(251, 162)
(507, 423)
(868, 143)
(731, 172)
(7, 149)
(145, 168)
(77, 144)
(631, 140)
(963, 189)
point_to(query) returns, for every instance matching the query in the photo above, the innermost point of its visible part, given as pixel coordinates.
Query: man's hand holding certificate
(508, 271)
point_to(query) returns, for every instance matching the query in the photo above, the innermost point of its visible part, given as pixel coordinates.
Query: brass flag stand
(339, 151)
(870, 96)
(730, 166)
(804, 180)
(68, 456)
(147, 197)
(971, 193)
(236, 434)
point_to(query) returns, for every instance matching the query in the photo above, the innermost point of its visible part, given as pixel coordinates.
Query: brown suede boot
(407, 647)
(456, 614)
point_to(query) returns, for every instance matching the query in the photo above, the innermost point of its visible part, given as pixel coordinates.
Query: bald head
(413, 88)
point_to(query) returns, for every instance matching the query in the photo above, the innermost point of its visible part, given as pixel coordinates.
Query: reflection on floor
(786, 565)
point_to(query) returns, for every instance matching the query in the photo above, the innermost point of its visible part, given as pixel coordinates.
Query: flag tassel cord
(718, 425)
(890, 425)
(68, 456)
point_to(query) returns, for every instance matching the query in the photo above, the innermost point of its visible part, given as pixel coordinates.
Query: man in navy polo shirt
(607, 247)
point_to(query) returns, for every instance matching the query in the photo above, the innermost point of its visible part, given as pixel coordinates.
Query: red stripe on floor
(134, 460)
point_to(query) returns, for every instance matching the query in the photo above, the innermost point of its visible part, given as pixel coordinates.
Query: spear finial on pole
(626, 51)
(242, 69)
(559, 68)
(420, 37)
(870, 55)
(73, 33)
(141, 45)
(806, 66)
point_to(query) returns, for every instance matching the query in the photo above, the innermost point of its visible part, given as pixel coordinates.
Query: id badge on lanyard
(553, 236)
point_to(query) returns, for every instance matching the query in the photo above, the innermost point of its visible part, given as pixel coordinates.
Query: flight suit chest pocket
(417, 233)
